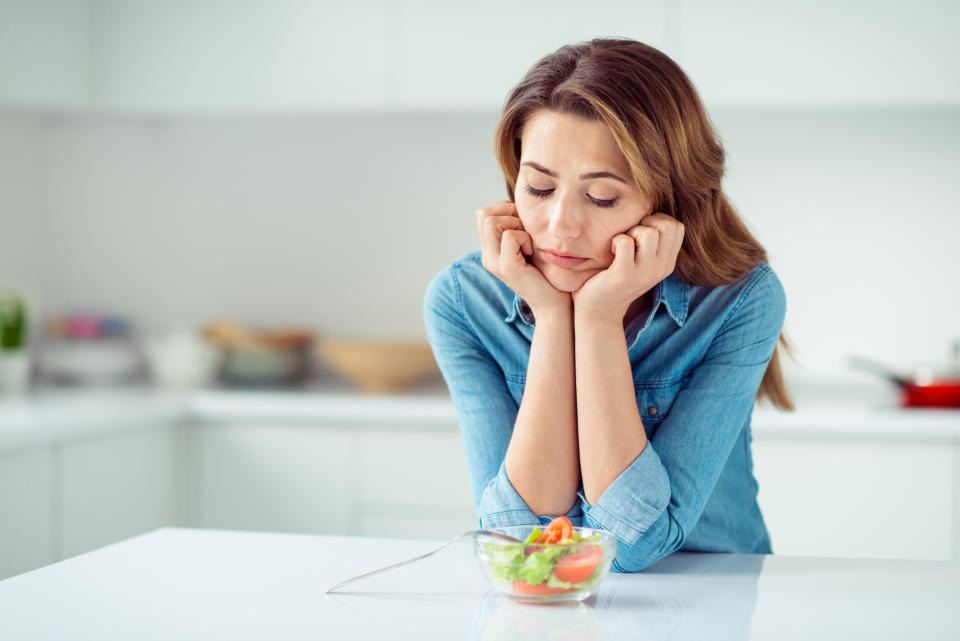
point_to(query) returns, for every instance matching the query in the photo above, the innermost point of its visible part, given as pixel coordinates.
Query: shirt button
(652, 411)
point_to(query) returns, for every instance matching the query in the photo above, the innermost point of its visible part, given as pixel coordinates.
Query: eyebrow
(589, 176)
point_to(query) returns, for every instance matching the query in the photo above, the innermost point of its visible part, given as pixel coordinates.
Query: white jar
(14, 372)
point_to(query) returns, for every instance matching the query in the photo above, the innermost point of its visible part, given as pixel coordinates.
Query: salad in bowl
(558, 563)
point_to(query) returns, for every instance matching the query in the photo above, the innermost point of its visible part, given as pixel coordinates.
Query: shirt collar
(675, 294)
(671, 291)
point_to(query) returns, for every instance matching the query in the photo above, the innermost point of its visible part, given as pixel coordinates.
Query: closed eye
(539, 193)
(602, 203)
(543, 193)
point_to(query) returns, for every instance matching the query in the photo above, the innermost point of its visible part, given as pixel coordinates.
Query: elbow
(662, 539)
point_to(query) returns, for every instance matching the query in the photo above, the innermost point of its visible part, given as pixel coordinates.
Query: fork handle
(401, 563)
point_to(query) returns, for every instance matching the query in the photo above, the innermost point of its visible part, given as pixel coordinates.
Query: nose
(564, 219)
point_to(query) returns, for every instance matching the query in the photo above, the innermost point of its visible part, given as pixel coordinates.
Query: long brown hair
(661, 127)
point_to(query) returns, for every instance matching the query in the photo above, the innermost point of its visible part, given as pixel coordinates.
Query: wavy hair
(661, 127)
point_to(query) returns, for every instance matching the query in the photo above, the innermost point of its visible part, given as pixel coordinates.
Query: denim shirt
(697, 356)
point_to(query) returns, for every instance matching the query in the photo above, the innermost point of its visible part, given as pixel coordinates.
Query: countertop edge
(53, 420)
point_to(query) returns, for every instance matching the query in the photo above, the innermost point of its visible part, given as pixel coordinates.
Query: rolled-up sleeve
(486, 411)
(658, 499)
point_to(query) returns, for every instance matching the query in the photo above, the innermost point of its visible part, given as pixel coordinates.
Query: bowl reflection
(499, 619)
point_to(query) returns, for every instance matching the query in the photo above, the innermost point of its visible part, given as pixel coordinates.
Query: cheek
(528, 216)
(602, 241)
(601, 238)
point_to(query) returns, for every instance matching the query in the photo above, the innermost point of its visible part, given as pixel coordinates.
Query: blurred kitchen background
(274, 183)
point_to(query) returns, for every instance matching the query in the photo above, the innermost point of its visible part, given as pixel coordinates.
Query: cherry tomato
(559, 528)
(578, 566)
(541, 589)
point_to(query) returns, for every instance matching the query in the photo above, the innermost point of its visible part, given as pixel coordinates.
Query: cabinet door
(955, 526)
(857, 498)
(249, 56)
(413, 483)
(44, 54)
(26, 511)
(259, 476)
(799, 52)
(469, 55)
(116, 487)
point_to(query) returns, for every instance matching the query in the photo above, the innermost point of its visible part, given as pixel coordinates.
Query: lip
(561, 260)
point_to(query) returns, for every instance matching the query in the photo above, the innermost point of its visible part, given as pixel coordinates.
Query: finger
(671, 236)
(647, 240)
(677, 240)
(492, 230)
(500, 208)
(668, 228)
(624, 249)
(657, 217)
(511, 246)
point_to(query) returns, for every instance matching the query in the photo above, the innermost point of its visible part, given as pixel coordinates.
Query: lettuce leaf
(509, 562)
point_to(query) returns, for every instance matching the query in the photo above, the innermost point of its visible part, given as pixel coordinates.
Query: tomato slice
(559, 528)
(578, 566)
(541, 589)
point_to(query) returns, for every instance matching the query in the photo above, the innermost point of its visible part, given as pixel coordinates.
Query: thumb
(624, 248)
(526, 243)
(513, 243)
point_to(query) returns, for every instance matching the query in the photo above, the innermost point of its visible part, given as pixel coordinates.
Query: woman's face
(574, 193)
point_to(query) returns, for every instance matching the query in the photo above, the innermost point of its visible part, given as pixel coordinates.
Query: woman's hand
(643, 256)
(505, 246)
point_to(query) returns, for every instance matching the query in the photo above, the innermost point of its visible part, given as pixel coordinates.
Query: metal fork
(366, 575)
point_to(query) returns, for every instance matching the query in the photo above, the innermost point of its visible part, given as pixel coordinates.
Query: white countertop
(206, 585)
(60, 416)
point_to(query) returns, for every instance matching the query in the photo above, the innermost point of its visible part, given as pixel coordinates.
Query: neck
(637, 307)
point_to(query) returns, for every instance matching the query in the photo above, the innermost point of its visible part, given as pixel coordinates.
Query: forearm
(610, 431)
(542, 458)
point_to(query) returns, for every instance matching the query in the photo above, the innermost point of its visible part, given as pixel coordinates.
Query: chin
(566, 280)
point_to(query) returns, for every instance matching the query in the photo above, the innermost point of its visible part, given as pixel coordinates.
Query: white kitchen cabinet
(118, 486)
(27, 511)
(329, 478)
(45, 54)
(413, 483)
(821, 53)
(273, 476)
(857, 497)
(955, 524)
(289, 56)
(214, 56)
(469, 55)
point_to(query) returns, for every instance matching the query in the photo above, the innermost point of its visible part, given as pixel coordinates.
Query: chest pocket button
(652, 411)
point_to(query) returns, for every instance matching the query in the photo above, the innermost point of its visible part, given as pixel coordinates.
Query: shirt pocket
(655, 398)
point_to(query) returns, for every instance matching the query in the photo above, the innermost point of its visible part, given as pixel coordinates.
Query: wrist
(591, 319)
(560, 309)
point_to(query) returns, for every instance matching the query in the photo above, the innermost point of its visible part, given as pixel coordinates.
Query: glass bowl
(545, 572)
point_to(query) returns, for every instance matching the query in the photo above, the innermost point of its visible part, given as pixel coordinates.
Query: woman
(604, 348)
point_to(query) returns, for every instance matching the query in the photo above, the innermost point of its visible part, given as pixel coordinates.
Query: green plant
(13, 323)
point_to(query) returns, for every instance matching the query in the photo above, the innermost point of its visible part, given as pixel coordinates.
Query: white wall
(196, 167)
(45, 52)
(24, 143)
(339, 222)
(860, 214)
